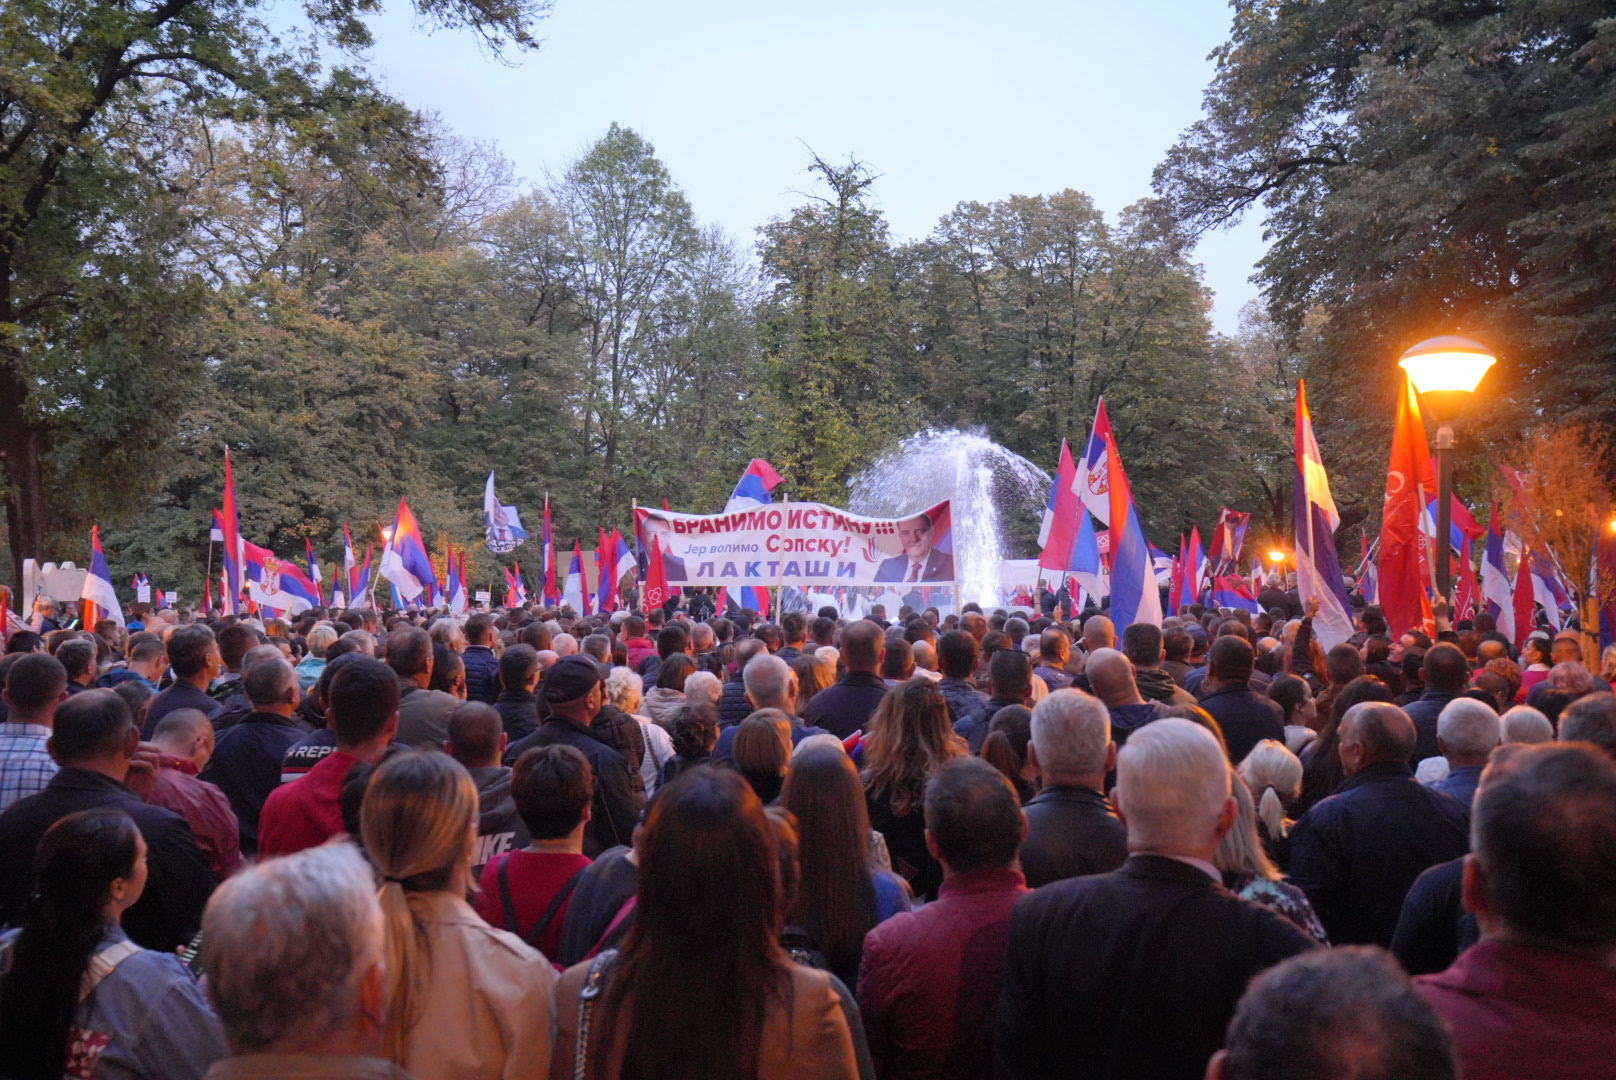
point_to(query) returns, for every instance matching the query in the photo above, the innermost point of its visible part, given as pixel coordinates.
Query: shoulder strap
(505, 900)
(593, 984)
(556, 901)
(617, 920)
(102, 965)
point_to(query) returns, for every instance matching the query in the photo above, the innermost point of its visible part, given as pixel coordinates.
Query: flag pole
(208, 577)
(779, 578)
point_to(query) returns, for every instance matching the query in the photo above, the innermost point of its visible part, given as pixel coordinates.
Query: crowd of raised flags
(1091, 540)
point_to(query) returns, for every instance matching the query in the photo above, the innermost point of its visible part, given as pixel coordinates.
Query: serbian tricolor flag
(1497, 598)
(99, 598)
(404, 560)
(550, 588)
(1402, 540)
(1234, 592)
(1228, 537)
(573, 593)
(230, 536)
(1135, 597)
(754, 487)
(1093, 474)
(277, 583)
(1318, 570)
(1547, 589)
(613, 560)
(656, 579)
(1605, 586)
(361, 582)
(1060, 513)
(458, 601)
(1187, 574)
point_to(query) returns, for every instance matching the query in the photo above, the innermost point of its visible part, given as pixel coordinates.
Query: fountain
(995, 493)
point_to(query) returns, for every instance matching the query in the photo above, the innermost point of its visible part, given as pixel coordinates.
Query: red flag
(1409, 485)
(1524, 621)
(656, 578)
(1469, 588)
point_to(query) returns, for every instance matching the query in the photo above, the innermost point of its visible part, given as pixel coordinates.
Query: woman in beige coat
(465, 1001)
(702, 990)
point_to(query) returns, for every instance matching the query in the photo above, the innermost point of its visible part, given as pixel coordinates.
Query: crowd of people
(526, 843)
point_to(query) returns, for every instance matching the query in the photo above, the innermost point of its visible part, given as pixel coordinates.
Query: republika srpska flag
(404, 560)
(100, 598)
(1318, 570)
(1135, 597)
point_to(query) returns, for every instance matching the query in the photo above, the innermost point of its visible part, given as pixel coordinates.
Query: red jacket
(205, 809)
(929, 982)
(304, 813)
(1523, 1013)
(638, 649)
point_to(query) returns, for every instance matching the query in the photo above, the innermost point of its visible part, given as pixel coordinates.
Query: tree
(635, 238)
(838, 358)
(97, 99)
(1424, 169)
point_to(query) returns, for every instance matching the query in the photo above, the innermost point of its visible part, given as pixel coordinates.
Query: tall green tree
(97, 102)
(1424, 167)
(838, 368)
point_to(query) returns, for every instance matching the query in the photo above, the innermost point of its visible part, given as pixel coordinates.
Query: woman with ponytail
(464, 1001)
(78, 999)
(1274, 775)
(1251, 875)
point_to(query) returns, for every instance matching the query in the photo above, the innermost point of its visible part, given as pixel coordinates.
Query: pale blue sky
(948, 101)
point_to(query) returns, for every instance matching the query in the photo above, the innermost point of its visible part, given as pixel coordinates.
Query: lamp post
(1445, 370)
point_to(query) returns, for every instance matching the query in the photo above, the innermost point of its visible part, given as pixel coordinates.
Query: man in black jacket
(1447, 675)
(1071, 829)
(576, 695)
(482, 666)
(520, 709)
(1010, 680)
(1136, 973)
(1357, 852)
(847, 706)
(105, 766)
(246, 762)
(1246, 717)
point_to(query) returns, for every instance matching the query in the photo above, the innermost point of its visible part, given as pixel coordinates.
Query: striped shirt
(25, 765)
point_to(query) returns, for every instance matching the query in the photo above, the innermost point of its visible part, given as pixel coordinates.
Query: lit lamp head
(1445, 370)
(1276, 557)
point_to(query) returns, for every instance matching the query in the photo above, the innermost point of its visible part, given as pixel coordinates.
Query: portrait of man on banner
(920, 561)
(655, 526)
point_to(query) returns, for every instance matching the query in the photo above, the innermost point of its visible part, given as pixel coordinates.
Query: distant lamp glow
(1276, 557)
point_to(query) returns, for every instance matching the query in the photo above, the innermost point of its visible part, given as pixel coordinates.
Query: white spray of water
(985, 482)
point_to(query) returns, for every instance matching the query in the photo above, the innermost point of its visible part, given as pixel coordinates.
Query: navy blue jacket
(168, 913)
(246, 766)
(974, 728)
(1247, 718)
(1357, 853)
(732, 704)
(847, 705)
(482, 674)
(1424, 713)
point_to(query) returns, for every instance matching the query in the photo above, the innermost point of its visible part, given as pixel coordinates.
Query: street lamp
(1445, 370)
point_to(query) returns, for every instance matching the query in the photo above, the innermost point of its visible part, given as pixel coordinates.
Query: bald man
(1111, 679)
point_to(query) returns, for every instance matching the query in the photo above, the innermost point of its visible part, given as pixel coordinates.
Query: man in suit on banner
(919, 561)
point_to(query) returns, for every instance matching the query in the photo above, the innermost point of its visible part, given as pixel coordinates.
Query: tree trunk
(20, 439)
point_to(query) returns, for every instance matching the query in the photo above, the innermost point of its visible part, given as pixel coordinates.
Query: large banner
(807, 545)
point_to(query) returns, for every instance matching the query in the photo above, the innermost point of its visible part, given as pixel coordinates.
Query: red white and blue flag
(1228, 537)
(1094, 473)
(456, 573)
(100, 599)
(1234, 592)
(1318, 570)
(1187, 572)
(550, 587)
(1135, 597)
(230, 535)
(1497, 595)
(755, 488)
(404, 560)
(575, 593)
(314, 562)
(277, 583)
(1070, 545)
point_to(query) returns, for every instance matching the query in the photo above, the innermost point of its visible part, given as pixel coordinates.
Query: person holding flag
(1401, 568)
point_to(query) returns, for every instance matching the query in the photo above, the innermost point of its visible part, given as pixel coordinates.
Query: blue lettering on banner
(793, 570)
(704, 571)
(847, 569)
(818, 569)
(728, 571)
(752, 569)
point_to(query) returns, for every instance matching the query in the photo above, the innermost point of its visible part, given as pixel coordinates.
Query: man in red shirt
(362, 711)
(1536, 997)
(929, 981)
(184, 740)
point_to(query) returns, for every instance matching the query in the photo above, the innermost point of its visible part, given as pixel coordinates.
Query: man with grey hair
(1357, 852)
(246, 762)
(1137, 972)
(364, 639)
(1467, 730)
(1071, 828)
(1524, 724)
(1591, 719)
(770, 684)
(296, 969)
(564, 644)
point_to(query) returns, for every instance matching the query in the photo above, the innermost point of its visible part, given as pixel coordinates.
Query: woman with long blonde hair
(908, 738)
(1250, 874)
(465, 1001)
